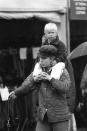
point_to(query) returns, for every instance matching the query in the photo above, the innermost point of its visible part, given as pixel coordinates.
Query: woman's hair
(50, 26)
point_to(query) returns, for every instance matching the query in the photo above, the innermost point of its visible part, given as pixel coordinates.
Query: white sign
(35, 51)
(4, 93)
(23, 53)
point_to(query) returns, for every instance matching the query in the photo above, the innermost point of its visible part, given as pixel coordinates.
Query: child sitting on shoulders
(51, 38)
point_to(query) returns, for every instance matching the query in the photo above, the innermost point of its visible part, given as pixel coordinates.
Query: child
(51, 38)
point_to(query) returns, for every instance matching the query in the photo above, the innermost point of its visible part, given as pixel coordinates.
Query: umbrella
(79, 51)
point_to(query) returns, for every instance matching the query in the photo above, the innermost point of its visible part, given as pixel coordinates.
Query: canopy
(46, 9)
(55, 17)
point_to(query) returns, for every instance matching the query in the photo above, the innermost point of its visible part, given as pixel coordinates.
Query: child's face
(45, 62)
(51, 34)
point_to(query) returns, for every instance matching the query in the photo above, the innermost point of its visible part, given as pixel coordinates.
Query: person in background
(83, 84)
(71, 96)
(82, 106)
(53, 112)
(3, 105)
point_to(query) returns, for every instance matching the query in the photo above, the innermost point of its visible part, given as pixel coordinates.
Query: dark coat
(71, 95)
(83, 98)
(83, 87)
(83, 84)
(52, 97)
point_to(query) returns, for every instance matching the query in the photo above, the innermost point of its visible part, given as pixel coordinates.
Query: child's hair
(50, 26)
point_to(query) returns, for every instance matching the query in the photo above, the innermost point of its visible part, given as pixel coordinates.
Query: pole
(8, 121)
(68, 26)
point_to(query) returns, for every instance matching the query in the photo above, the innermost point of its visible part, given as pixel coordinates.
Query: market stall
(21, 29)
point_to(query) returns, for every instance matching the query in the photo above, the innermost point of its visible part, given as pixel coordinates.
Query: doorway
(16, 34)
(78, 35)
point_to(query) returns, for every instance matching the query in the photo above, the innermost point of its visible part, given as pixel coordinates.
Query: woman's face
(45, 62)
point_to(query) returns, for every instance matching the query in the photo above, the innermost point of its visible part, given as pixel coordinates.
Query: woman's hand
(45, 76)
(12, 95)
(37, 78)
(42, 76)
